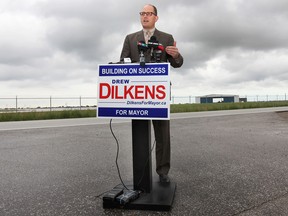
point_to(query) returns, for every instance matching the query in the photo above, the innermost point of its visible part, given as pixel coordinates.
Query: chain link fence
(28, 104)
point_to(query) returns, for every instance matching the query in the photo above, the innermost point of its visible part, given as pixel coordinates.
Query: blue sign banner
(133, 91)
(133, 112)
(134, 70)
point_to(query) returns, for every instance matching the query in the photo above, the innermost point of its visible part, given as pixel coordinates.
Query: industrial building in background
(218, 98)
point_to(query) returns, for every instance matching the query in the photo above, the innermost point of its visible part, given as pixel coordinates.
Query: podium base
(160, 198)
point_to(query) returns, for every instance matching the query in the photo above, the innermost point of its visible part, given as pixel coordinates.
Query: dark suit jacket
(130, 48)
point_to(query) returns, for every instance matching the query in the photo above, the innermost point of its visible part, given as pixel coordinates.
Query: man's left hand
(173, 50)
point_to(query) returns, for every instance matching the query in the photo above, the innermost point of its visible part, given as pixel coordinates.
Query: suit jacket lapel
(140, 36)
(156, 34)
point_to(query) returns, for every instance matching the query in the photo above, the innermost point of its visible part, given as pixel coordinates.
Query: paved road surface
(224, 163)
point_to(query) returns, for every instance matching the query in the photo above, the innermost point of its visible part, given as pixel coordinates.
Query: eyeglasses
(147, 13)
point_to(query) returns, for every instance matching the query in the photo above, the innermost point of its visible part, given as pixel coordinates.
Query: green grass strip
(175, 108)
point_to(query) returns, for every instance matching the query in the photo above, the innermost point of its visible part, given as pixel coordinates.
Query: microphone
(156, 49)
(152, 43)
(142, 48)
(158, 52)
(161, 47)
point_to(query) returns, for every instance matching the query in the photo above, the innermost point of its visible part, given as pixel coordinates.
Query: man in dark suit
(148, 17)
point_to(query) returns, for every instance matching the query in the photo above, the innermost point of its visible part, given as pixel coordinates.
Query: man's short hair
(155, 9)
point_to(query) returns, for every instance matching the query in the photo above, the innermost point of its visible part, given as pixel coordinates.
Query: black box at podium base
(160, 198)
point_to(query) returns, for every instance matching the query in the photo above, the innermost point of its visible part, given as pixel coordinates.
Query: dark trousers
(163, 151)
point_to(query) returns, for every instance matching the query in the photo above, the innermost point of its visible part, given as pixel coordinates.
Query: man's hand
(173, 50)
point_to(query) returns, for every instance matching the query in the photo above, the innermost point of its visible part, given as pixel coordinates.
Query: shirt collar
(150, 30)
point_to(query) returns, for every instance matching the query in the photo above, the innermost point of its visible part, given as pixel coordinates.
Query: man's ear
(156, 18)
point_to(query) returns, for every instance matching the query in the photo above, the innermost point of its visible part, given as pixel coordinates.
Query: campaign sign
(133, 91)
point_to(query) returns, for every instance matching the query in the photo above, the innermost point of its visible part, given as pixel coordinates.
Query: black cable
(116, 161)
(117, 154)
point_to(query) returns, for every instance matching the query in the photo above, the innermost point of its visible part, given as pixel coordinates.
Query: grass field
(224, 106)
(175, 108)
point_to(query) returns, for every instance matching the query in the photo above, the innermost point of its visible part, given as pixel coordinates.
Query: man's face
(148, 22)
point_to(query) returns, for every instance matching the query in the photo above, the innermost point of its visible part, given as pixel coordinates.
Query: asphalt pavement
(223, 162)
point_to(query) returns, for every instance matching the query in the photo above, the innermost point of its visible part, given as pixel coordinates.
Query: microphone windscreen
(153, 38)
(160, 47)
(142, 46)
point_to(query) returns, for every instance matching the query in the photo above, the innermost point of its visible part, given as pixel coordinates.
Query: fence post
(80, 103)
(16, 103)
(50, 103)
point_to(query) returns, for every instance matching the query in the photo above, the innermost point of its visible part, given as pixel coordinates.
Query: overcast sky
(53, 47)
